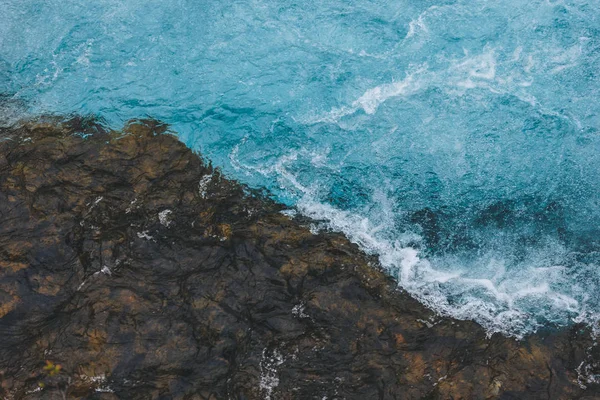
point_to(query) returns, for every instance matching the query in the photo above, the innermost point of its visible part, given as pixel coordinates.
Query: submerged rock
(131, 269)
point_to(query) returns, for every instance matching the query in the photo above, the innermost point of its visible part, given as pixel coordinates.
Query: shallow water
(457, 140)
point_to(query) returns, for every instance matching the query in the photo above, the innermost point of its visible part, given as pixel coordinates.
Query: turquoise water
(457, 140)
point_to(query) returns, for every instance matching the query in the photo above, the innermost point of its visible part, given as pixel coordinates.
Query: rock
(139, 272)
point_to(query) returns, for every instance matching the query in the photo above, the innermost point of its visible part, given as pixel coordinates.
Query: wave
(515, 302)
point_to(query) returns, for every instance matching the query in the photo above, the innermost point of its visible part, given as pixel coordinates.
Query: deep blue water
(457, 140)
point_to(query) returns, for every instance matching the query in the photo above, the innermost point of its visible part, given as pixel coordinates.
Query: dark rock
(146, 274)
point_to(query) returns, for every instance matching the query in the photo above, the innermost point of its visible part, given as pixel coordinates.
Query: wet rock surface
(145, 274)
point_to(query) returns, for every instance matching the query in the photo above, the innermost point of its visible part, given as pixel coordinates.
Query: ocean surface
(459, 141)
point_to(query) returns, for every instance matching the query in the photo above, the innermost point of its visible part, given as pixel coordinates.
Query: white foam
(144, 235)
(163, 217)
(418, 24)
(472, 71)
(498, 299)
(372, 98)
(269, 376)
(203, 185)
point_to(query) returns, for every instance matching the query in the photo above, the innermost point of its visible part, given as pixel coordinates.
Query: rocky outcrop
(132, 269)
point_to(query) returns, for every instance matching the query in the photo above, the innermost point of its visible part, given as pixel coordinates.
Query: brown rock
(145, 274)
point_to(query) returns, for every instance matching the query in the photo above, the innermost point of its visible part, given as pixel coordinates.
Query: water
(456, 140)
